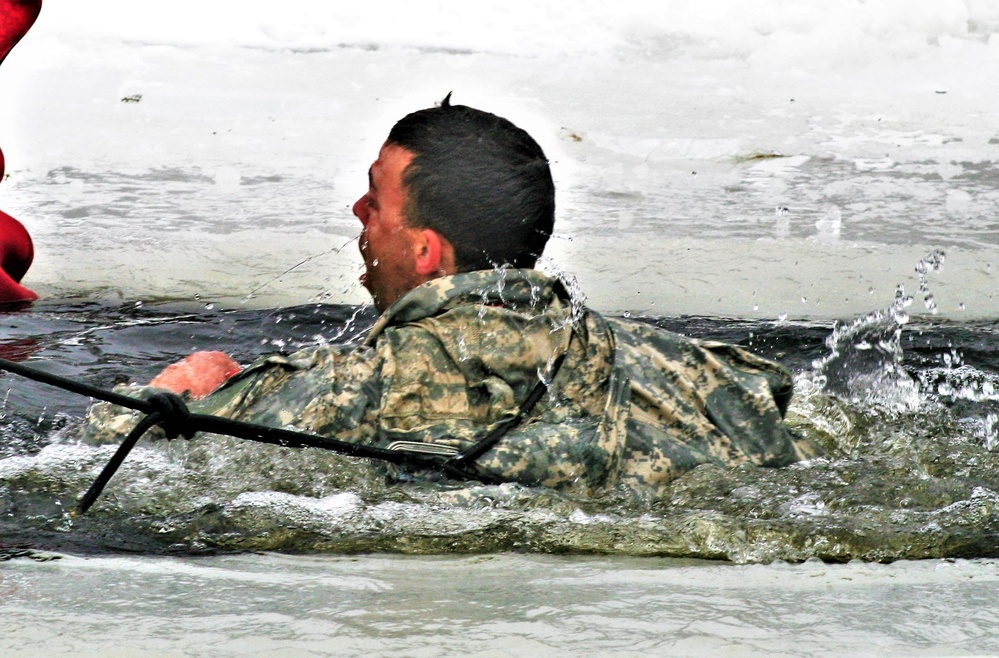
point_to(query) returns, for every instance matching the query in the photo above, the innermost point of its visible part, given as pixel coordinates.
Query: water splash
(933, 262)
(865, 360)
(971, 394)
(865, 365)
(577, 298)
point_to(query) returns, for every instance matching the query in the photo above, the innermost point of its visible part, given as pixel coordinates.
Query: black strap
(463, 460)
(170, 412)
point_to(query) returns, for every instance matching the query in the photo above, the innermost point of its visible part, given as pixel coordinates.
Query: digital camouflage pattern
(631, 405)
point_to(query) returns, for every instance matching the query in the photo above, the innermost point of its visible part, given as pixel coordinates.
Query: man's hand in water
(200, 373)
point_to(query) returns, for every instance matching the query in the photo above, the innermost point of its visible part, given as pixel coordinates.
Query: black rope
(89, 498)
(169, 411)
(174, 416)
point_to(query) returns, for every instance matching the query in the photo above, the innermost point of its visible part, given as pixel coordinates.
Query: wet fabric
(632, 405)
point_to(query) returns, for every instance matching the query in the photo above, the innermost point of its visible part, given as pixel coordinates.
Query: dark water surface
(908, 410)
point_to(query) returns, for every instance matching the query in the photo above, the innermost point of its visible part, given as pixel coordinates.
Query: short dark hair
(480, 182)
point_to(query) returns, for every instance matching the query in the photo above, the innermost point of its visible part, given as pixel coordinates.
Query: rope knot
(172, 415)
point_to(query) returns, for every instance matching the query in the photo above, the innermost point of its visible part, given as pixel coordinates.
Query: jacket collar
(513, 288)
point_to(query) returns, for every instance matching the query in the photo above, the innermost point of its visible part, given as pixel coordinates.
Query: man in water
(476, 353)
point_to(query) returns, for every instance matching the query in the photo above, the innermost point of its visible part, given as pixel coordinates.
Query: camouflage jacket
(630, 405)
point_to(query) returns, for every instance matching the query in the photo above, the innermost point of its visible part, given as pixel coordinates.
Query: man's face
(386, 242)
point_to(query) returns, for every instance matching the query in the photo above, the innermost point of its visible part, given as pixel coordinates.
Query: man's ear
(428, 253)
(434, 255)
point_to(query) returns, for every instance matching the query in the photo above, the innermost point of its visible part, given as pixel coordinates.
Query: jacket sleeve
(330, 391)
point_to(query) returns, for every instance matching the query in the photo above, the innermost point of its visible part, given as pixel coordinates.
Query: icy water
(818, 184)
(907, 411)
(474, 606)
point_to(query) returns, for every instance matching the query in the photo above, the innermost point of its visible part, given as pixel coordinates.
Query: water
(907, 412)
(778, 176)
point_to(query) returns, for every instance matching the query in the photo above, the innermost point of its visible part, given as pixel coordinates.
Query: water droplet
(990, 427)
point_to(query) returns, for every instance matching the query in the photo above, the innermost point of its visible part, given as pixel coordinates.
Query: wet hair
(480, 182)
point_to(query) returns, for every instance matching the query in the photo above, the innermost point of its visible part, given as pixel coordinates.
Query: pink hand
(200, 373)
